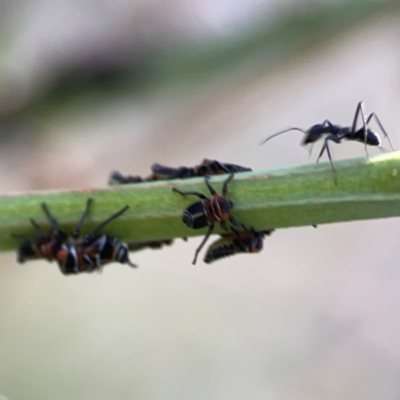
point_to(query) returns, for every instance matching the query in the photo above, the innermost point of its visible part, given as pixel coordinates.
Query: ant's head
(373, 138)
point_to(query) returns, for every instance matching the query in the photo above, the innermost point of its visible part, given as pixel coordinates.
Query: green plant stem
(263, 199)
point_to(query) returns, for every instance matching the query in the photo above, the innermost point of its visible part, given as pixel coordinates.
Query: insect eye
(187, 219)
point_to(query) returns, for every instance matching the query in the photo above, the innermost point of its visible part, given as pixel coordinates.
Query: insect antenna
(280, 132)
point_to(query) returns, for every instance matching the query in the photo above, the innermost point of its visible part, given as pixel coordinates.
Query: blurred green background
(92, 86)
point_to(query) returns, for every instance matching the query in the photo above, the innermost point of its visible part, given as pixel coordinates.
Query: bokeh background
(91, 86)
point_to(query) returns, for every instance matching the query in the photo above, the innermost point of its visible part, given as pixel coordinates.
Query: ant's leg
(225, 185)
(89, 262)
(210, 188)
(131, 264)
(329, 124)
(373, 115)
(78, 227)
(198, 194)
(334, 138)
(321, 152)
(234, 223)
(37, 228)
(310, 150)
(108, 220)
(326, 146)
(222, 167)
(210, 229)
(99, 265)
(72, 253)
(211, 165)
(98, 262)
(360, 111)
(239, 238)
(330, 160)
(50, 217)
(239, 225)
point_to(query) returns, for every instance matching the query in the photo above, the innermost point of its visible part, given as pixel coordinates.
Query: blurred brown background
(92, 86)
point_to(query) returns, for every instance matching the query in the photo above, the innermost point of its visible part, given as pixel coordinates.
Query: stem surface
(289, 197)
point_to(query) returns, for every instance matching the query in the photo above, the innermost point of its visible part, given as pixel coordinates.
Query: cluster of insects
(208, 210)
(75, 253)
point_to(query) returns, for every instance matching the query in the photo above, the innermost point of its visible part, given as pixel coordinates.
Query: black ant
(208, 211)
(247, 241)
(337, 133)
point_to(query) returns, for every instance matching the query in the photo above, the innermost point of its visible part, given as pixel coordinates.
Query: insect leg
(326, 146)
(225, 185)
(89, 262)
(223, 225)
(78, 227)
(216, 166)
(131, 264)
(233, 221)
(360, 111)
(210, 229)
(239, 238)
(50, 217)
(210, 188)
(98, 263)
(108, 220)
(37, 228)
(329, 124)
(373, 115)
(194, 193)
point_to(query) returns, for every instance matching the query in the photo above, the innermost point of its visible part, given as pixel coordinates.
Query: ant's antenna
(280, 132)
